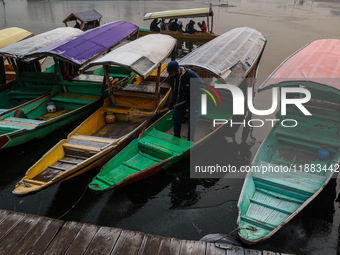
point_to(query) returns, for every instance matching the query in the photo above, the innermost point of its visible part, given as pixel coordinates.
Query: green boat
(294, 164)
(73, 97)
(31, 82)
(157, 149)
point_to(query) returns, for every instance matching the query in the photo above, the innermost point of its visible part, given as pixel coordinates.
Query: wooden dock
(31, 234)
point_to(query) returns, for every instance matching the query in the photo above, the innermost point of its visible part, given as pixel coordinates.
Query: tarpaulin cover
(185, 13)
(84, 47)
(11, 35)
(317, 62)
(142, 55)
(22, 48)
(229, 56)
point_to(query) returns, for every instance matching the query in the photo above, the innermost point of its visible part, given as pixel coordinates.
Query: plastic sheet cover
(142, 55)
(317, 62)
(82, 48)
(228, 56)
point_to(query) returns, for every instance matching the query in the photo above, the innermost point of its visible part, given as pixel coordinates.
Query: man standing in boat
(181, 80)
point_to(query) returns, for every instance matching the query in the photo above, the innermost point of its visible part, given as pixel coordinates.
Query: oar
(143, 115)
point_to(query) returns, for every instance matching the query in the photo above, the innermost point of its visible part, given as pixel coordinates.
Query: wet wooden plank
(37, 239)
(192, 247)
(64, 238)
(16, 233)
(3, 215)
(252, 252)
(104, 241)
(10, 222)
(213, 250)
(236, 251)
(83, 239)
(268, 253)
(169, 246)
(128, 242)
(150, 245)
(47, 175)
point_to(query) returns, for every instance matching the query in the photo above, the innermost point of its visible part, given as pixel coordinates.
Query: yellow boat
(116, 123)
(8, 36)
(166, 16)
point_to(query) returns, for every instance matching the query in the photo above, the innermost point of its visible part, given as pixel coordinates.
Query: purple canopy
(82, 48)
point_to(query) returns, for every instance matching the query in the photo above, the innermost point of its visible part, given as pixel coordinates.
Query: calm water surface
(170, 203)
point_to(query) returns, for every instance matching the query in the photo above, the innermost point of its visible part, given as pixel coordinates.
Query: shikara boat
(84, 20)
(157, 148)
(30, 82)
(307, 154)
(7, 37)
(99, 137)
(73, 99)
(182, 14)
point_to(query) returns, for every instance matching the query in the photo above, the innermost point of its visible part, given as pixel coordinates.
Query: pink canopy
(317, 62)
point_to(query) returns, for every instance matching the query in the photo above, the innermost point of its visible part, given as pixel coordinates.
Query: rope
(238, 228)
(74, 205)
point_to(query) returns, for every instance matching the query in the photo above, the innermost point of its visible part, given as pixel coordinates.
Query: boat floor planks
(117, 130)
(32, 234)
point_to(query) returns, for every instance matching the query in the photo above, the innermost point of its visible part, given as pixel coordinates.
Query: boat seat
(88, 143)
(310, 135)
(19, 123)
(74, 98)
(164, 143)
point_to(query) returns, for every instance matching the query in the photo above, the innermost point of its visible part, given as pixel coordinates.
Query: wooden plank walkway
(30, 234)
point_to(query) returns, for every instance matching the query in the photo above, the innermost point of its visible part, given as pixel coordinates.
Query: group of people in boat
(175, 25)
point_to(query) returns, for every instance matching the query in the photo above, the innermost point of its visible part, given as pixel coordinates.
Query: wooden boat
(182, 14)
(31, 82)
(7, 37)
(310, 151)
(95, 141)
(88, 19)
(157, 148)
(73, 99)
(68, 56)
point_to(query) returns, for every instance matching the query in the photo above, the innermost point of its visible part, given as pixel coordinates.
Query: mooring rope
(236, 229)
(74, 205)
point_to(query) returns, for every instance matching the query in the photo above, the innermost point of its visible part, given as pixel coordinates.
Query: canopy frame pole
(156, 99)
(108, 83)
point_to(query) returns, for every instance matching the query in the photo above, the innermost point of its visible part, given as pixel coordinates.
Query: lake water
(170, 203)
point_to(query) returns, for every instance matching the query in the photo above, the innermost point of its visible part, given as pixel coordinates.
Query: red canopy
(317, 62)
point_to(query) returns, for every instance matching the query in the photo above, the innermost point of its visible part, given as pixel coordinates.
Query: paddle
(143, 115)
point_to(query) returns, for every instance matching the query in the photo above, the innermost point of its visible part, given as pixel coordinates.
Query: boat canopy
(12, 34)
(316, 63)
(141, 56)
(82, 48)
(229, 56)
(22, 48)
(185, 13)
(85, 16)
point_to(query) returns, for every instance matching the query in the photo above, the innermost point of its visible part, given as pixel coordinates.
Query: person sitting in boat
(181, 80)
(154, 25)
(180, 27)
(173, 26)
(204, 27)
(190, 27)
(77, 25)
